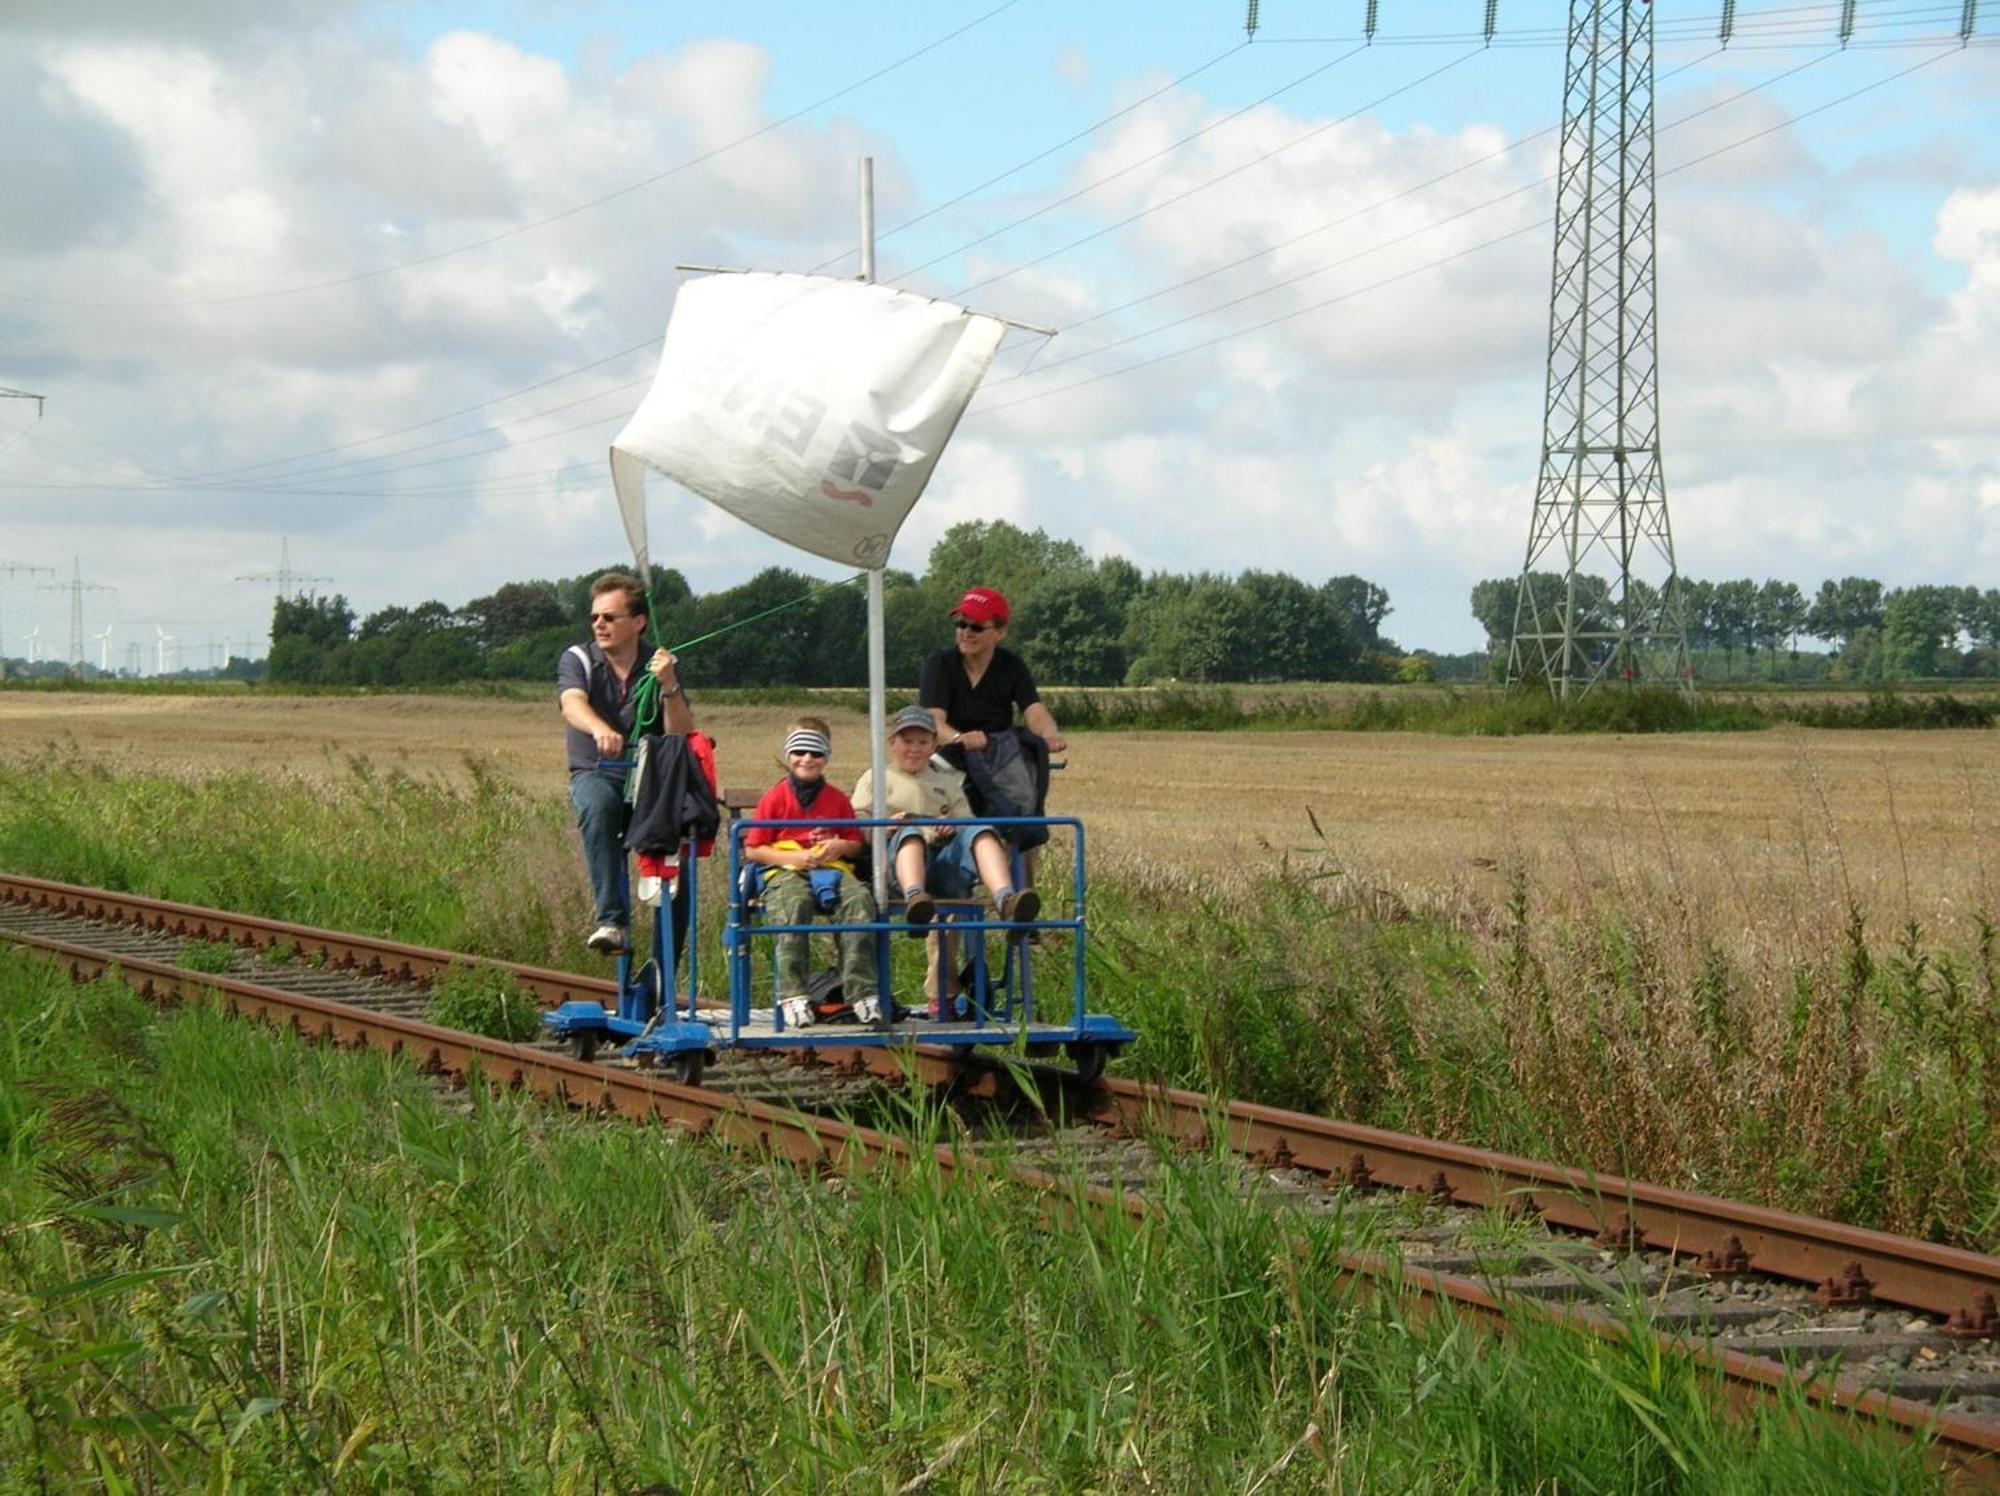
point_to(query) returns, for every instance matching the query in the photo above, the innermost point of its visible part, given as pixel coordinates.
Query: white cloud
(1831, 393)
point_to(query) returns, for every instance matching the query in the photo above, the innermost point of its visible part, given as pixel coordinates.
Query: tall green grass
(1857, 1079)
(1848, 1072)
(233, 1261)
(483, 867)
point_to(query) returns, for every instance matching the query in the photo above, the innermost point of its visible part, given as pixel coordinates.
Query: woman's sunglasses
(973, 628)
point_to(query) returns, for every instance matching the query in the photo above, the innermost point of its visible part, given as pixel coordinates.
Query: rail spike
(1730, 1260)
(1848, 1288)
(1622, 1235)
(1977, 1322)
(1358, 1176)
(1277, 1157)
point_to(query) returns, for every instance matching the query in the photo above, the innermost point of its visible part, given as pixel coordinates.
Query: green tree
(1075, 630)
(1842, 609)
(993, 553)
(1493, 608)
(308, 636)
(1363, 605)
(1732, 615)
(1781, 615)
(513, 611)
(773, 651)
(1919, 632)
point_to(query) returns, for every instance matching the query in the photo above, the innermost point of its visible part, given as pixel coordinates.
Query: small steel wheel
(1088, 1056)
(583, 1044)
(684, 1069)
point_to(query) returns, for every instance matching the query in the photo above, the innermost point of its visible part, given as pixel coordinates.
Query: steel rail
(365, 954)
(1849, 1265)
(1969, 1447)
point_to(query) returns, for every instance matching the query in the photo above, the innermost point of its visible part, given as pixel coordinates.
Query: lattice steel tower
(1608, 604)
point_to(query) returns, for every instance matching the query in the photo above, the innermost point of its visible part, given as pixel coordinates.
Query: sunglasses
(609, 617)
(973, 628)
(805, 753)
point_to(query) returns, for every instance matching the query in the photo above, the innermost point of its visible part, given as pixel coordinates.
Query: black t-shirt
(986, 707)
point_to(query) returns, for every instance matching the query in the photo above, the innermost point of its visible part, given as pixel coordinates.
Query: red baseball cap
(982, 605)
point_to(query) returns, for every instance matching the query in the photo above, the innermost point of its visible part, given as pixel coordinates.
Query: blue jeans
(949, 868)
(599, 799)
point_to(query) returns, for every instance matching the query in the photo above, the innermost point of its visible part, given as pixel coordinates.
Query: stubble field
(1748, 828)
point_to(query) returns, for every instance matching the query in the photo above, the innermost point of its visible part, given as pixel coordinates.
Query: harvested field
(1748, 828)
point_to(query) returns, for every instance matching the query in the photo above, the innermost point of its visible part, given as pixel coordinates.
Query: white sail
(812, 408)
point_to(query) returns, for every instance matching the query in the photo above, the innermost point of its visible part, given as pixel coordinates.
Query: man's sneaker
(919, 909)
(868, 1012)
(607, 939)
(1020, 908)
(797, 1011)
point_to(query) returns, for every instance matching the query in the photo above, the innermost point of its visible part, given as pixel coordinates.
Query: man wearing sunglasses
(594, 684)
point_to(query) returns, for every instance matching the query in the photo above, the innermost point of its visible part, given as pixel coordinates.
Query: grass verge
(1824, 1066)
(237, 1261)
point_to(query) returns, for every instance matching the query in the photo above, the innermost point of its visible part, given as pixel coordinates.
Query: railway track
(1901, 1330)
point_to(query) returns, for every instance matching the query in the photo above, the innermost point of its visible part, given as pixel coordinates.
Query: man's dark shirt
(584, 668)
(986, 707)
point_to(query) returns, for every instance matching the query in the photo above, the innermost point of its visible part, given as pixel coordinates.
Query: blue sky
(1830, 285)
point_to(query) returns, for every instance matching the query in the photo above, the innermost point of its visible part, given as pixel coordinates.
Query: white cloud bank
(1832, 399)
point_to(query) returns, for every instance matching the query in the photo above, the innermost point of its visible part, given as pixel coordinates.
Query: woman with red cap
(973, 689)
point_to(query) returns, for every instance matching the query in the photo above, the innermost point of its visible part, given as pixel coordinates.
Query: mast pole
(878, 839)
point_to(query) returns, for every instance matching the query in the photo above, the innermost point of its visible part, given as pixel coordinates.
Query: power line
(1540, 222)
(1181, 197)
(539, 223)
(493, 485)
(1070, 197)
(1361, 254)
(1039, 156)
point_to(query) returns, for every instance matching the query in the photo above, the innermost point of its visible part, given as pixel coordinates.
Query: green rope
(646, 694)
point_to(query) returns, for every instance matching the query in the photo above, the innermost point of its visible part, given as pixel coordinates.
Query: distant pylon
(76, 586)
(1601, 500)
(290, 583)
(15, 569)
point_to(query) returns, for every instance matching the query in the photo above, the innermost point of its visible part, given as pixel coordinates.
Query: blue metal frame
(655, 1021)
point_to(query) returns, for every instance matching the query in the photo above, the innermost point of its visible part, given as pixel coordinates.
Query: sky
(371, 288)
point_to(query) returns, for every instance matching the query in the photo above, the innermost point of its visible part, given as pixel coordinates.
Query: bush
(484, 1001)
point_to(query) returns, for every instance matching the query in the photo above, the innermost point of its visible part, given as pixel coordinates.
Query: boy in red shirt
(808, 868)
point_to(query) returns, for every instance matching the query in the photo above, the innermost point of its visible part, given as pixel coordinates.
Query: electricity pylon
(290, 583)
(15, 569)
(76, 586)
(1600, 521)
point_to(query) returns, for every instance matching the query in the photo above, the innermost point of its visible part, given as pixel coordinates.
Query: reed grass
(235, 1261)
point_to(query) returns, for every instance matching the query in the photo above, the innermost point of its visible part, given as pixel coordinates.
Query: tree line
(1872, 632)
(1081, 622)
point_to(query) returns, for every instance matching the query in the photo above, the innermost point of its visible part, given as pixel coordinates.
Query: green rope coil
(646, 694)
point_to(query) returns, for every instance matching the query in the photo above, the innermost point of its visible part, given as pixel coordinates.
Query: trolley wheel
(1088, 1056)
(583, 1044)
(684, 1069)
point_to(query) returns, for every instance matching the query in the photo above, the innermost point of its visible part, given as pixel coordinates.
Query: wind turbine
(165, 639)
(34, 642)
(104, 648)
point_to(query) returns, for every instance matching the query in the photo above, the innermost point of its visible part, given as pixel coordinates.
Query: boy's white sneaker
(797, 1011)
(868, 1010)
